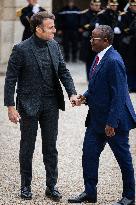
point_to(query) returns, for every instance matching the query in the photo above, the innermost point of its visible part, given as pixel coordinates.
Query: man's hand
(13, 114)
(74, 100)
(77, 100)
(82, 99)
(110, 132)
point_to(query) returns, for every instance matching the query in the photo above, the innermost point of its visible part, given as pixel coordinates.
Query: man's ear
(38, 30)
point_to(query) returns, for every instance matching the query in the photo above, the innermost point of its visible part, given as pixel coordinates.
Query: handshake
(77, 100)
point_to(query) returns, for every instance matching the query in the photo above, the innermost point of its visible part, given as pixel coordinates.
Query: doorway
(58, 4)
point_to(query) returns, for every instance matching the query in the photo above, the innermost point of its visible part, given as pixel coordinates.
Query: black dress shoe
(82, 198)
(53, 193)
(26, 193)
(125, 201)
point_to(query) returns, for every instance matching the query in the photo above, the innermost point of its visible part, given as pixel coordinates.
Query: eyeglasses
(93, 38)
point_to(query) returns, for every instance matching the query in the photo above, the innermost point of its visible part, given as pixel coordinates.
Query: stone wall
(10, 26)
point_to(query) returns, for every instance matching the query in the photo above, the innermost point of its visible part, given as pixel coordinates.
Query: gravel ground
(70, 139)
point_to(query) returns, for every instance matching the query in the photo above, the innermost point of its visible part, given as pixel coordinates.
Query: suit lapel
(99, 66)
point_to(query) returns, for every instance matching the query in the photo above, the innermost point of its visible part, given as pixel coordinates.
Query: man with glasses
(110, 118)
(37, 66)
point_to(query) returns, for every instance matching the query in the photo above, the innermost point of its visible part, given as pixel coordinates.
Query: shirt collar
(40, 42)
(102, 53)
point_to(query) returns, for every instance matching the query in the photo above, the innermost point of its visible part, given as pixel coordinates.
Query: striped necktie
(94, 66)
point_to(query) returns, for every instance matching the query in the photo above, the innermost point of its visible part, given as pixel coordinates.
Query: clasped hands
(77, 100)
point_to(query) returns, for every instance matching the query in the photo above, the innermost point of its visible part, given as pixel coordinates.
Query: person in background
(25, 15)
(110, 118)
(36, 65)
(122, 4)
(68, 22)
(111, 16)
(88, 23)
(128, 43)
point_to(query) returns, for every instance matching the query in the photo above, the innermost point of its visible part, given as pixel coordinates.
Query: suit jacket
(107, 95)
(24, 67)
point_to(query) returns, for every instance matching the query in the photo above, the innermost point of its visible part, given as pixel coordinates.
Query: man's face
(47, 30)
(32, 2)
(71, 4)
(113, 7)
(133, 8)
(98, 43)
(95, 7)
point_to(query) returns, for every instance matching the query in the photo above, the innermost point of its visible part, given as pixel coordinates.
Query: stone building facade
(10, 26)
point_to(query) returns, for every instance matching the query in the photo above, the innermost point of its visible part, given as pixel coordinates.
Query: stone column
(6, 29)
(10, 27)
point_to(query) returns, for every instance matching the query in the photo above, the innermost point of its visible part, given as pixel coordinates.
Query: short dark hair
(106, 32)
(38, 18)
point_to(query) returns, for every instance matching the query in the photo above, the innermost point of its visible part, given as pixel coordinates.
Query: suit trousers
(93, 145)
(48, 119)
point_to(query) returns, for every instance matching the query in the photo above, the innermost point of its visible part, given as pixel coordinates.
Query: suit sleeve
(13, 70)
(24, 18)
(86, 96)
(65, 76)
(117, 88)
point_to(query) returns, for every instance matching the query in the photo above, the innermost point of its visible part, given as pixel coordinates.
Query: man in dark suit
(25, 15)
(111, 16)
(37, 66)
(128, 43)
(110, 117)
(68, 20)
(89, 20)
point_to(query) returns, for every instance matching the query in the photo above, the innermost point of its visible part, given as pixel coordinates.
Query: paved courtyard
(70, 139)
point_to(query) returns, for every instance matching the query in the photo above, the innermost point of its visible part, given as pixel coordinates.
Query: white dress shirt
(102, 53)
(36, 8)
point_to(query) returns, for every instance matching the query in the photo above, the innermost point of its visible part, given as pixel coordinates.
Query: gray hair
(106, 32)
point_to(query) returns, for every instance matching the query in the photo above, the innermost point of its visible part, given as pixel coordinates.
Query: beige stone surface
(9, 13)
(6, 39)
(1, 9)
(44, 3)
(8, 3)
(20, 3)
(19, 32)
(7, 30)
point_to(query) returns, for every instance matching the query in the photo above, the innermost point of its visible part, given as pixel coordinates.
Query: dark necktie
(94, 66)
